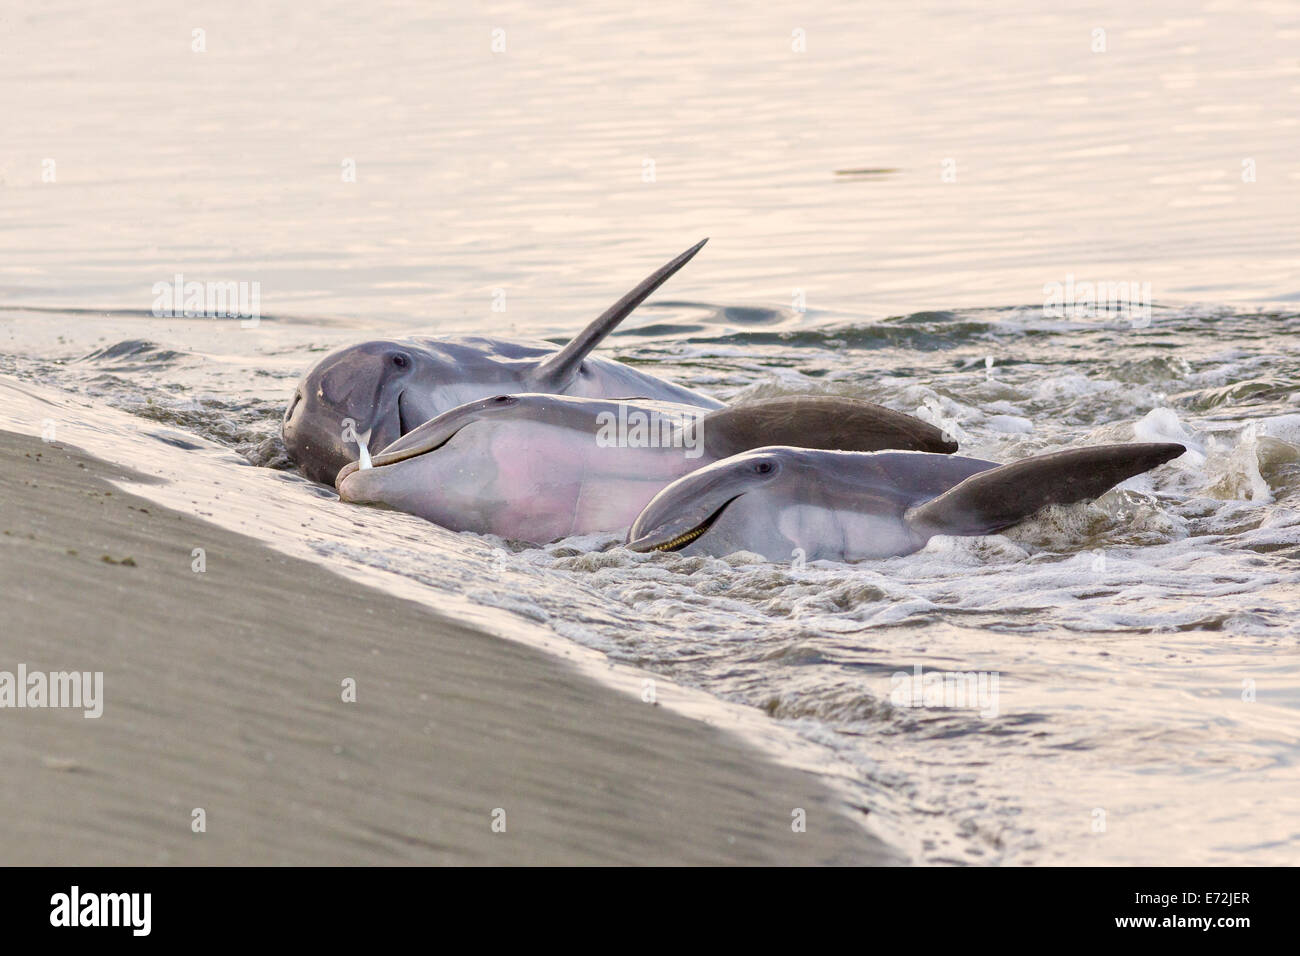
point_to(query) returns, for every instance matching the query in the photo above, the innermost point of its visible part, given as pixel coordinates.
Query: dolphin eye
(400, 360)
(764, 467)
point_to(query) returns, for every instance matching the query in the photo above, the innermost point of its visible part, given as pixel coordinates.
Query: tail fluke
(1006, 495)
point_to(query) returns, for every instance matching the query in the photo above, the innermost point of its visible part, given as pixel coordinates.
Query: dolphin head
(360, 390)
(781, 502)
(717, 506)
(448, 470)
(430, 437)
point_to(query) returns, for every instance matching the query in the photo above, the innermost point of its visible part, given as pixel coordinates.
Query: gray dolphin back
(818, 421)
(1001, 497)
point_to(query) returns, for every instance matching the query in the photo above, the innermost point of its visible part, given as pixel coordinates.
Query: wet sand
(223, 690)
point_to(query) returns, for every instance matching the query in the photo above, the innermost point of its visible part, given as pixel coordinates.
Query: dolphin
(535, 468)
(387, 387)
(850, 506)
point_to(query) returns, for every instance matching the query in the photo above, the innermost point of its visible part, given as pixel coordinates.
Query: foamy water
(1145, 646)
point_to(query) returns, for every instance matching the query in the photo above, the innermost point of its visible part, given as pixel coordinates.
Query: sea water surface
(890, 195)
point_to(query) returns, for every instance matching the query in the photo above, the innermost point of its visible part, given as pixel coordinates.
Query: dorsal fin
(1006, 495)
(556, 372)
(818, 421)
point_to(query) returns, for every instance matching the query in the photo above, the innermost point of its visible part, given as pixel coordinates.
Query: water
(1124, 634)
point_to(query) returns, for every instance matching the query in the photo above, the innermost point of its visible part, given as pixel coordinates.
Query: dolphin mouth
(645, 543)
(391, 458)
(402, 428)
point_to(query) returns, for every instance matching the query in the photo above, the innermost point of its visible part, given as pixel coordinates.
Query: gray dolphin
(387, 387)
(536, 468)
(848, 506)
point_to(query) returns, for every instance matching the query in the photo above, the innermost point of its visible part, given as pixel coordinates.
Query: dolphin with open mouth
(386, 388)
(536, 468)
(850, 506)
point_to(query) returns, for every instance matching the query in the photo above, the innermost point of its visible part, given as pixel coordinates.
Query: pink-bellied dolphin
(378, 391)
(535, 468)
(850, 506)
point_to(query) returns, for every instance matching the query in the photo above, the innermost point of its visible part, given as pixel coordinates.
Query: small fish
(364, 450)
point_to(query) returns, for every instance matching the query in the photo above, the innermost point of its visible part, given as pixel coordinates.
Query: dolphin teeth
(682, 540)
(363, 442)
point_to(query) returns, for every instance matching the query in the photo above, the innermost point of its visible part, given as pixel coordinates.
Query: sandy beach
(223, 690)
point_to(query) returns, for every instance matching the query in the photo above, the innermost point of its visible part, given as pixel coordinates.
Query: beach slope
(224, 692)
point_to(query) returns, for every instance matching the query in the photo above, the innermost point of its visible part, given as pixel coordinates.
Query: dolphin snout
(672, 532)
(359, 486)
